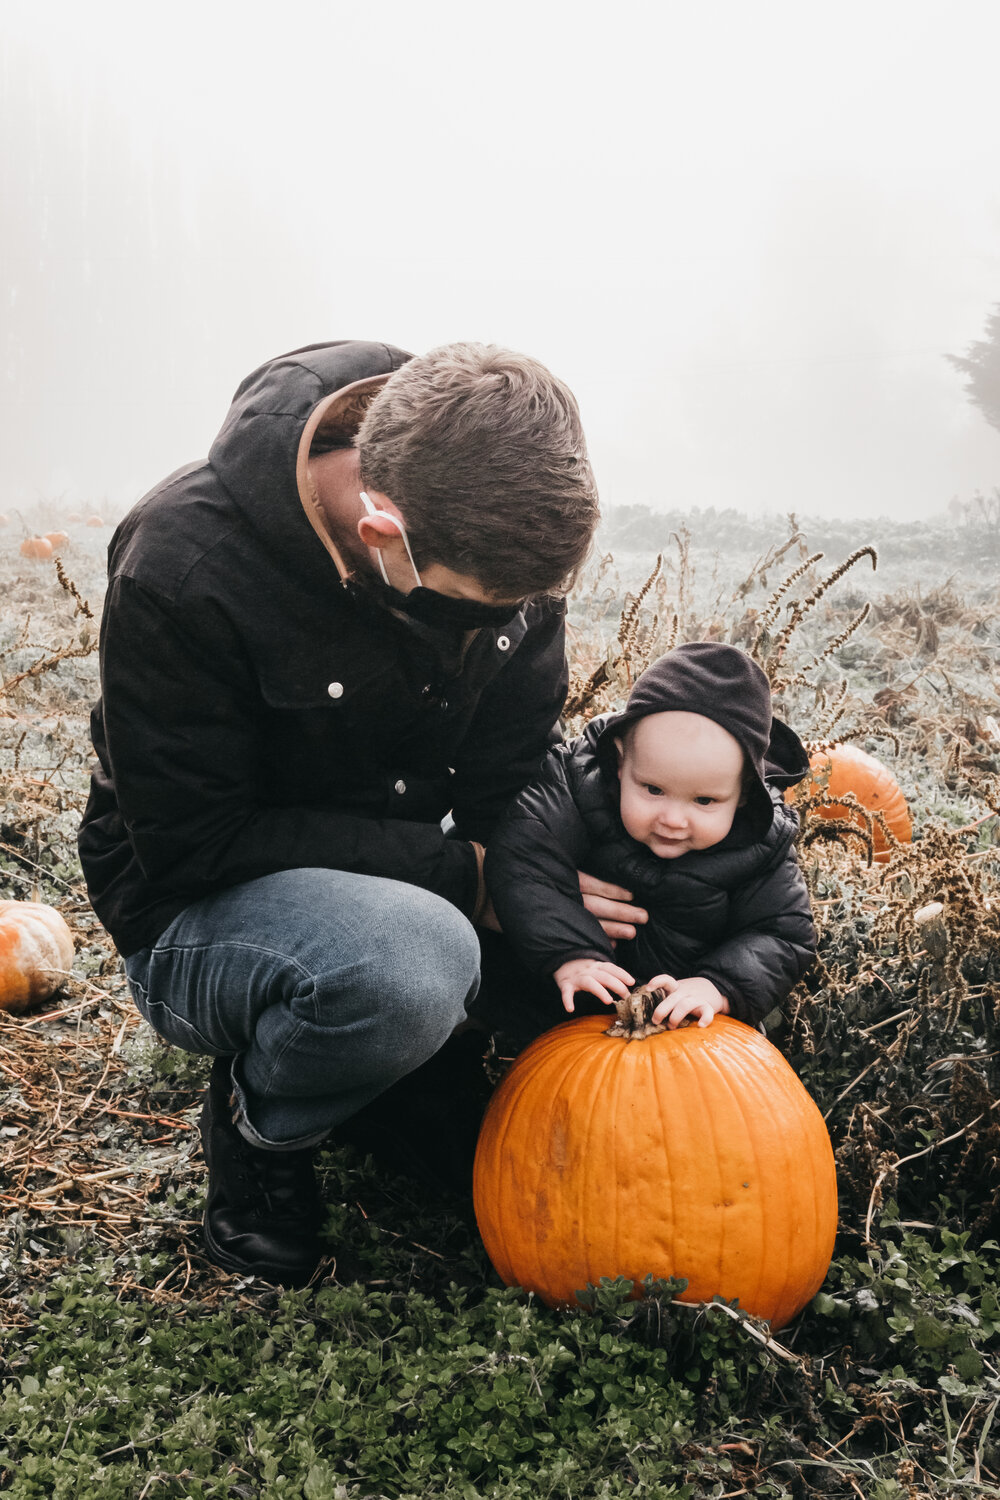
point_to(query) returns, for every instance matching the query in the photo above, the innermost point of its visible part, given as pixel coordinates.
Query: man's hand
(595, 975)
(687, 998)
(610, 904)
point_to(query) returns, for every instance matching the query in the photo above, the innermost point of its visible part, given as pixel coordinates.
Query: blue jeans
(324, 987)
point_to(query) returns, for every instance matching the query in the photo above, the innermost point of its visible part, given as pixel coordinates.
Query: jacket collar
(333, 423)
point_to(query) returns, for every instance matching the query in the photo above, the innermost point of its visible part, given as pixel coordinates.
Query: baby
(677, 800)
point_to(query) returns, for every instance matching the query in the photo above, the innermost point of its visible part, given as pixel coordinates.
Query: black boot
(262, 1209)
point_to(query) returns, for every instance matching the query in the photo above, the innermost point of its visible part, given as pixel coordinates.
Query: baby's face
(681, 782)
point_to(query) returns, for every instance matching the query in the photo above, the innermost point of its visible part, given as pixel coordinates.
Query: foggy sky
(745, 235)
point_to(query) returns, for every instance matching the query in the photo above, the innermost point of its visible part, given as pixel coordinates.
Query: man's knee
(427, 967)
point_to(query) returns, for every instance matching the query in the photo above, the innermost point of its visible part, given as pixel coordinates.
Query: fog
(746, 235)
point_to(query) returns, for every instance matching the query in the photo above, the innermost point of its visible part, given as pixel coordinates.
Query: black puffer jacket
(256, 716)
(737, 914)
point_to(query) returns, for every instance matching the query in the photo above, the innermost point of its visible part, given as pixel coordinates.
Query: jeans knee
(431, 973)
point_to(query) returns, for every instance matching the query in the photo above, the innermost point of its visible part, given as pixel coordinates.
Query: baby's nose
(673, 814)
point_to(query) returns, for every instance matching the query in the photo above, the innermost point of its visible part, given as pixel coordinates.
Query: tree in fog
(981, 367)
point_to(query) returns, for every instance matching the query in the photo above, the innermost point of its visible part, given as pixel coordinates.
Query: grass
(133, 1368)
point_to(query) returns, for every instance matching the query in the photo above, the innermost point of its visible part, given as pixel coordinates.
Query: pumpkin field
(132, 1369)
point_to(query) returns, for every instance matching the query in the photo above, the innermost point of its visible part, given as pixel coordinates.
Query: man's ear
(377, 530)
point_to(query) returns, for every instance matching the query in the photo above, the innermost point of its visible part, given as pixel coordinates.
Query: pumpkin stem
(635, 1014)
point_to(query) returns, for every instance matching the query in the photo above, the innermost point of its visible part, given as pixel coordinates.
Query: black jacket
(737, 914)
(257, 716)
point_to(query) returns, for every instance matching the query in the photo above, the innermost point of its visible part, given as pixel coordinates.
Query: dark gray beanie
(725, 685)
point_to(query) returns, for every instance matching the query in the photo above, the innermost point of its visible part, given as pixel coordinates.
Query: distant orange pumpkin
(74, 518)
(57, 538)
(36, 547)
(36, 953)
(4, 520)
(845, 768)
(95, 521)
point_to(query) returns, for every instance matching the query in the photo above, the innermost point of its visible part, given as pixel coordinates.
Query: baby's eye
(704, 801)
(654, 791)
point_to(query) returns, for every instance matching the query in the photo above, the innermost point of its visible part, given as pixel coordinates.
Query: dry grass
(99, 1120)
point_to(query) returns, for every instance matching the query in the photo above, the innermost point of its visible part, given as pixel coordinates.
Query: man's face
(437, 594)
(460, 586)
(681, 782)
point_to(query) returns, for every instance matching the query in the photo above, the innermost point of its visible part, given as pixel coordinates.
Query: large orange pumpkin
(36, 547)
(36, 953)
(845, 768)
(694, 1153)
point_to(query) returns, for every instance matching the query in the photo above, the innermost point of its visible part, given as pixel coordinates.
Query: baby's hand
(688, 997)
(595, 975)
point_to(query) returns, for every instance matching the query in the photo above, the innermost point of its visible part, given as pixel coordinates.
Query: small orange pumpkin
(36, 953)
(845, 768)
(36, 547)
(57, 538)
(74, 518)
(95, 521)
(4, 520)
(695, 1153)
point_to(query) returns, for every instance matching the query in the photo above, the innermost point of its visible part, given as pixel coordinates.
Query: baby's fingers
(672, 1012)
(690, 1010)
(602, 987)
(662, 982)
(567, 990)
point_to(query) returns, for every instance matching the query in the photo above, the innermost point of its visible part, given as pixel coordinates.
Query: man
(343, 626)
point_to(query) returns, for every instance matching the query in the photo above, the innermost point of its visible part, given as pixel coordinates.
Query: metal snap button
(400, 786)
(336, 689)
(503, 643)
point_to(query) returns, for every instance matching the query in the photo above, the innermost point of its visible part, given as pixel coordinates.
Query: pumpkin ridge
(619, 1067)
(583, 1196)
(787, 1085)
(662, 1103)
(571, 1073)
(506, 1156)
(720, 1077)
(785, 1227)
(765, 1228)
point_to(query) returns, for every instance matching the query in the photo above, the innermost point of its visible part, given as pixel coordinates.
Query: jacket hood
(317, 394)
(725, 685)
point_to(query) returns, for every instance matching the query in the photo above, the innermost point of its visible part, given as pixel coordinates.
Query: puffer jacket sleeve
(179, 710)
(771, 942)
(531, 873)
(515, 724)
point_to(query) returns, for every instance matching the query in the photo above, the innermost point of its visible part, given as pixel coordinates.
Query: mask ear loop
(374, 510)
